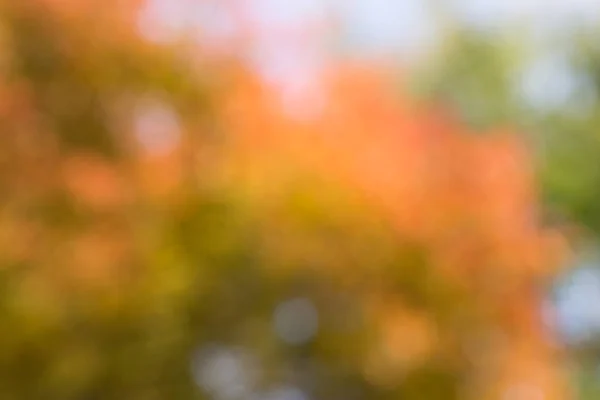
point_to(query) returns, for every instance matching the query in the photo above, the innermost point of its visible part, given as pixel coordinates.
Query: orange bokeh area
(173, 224)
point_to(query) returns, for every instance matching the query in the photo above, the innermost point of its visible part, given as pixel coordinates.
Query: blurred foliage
(156, 209)
(482, 75)
(475, 73)
(563, 136)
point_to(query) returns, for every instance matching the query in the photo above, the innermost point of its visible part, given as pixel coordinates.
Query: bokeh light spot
(157, 126)
(225, 373)
(296, 321)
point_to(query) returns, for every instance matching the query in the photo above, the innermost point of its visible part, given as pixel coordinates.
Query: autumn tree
(166, 224)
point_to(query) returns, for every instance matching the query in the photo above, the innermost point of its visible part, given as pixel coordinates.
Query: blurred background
(300, 199)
